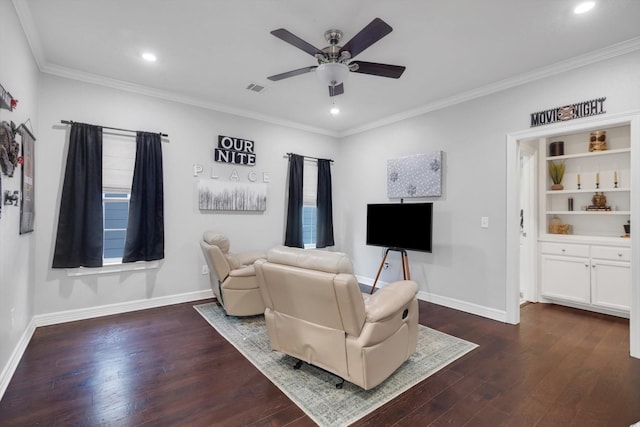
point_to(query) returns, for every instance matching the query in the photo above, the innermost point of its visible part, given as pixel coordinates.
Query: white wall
(467, 266)
(18, 75)
(193, 132)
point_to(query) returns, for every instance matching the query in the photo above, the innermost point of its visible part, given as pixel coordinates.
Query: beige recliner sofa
(232, 276)
(315, 311)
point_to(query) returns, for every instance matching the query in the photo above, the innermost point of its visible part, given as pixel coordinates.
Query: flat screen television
(400, 225)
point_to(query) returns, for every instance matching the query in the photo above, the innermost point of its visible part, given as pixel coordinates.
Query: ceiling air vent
(254, 87)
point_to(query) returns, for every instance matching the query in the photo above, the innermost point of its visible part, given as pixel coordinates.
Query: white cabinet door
(566, 278)
(611, 284)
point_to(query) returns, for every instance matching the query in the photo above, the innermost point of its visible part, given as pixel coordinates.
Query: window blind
(310, 183)
(118, 160)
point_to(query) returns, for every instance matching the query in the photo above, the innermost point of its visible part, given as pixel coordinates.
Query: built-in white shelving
(606, 172)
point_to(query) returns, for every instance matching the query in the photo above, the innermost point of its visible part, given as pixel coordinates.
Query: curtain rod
(309, 157)
(70, 122)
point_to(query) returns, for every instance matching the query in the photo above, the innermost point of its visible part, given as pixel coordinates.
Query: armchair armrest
(240, 260)
(388, 300)
(247, 271)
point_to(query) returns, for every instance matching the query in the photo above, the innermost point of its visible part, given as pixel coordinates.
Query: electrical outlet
(205, 269)
(386, 265)
(484, 222)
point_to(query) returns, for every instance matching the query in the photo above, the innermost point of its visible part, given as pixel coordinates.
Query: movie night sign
(235, 150)
(568, 112)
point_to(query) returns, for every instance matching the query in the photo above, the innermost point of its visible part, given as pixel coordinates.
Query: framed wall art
(27, 211)
(232, 196)
(419, 175)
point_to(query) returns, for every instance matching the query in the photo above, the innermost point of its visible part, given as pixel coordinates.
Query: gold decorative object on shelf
(556, 172)
(598, 141)
(557, 227)
(599, 199)
(599, 202)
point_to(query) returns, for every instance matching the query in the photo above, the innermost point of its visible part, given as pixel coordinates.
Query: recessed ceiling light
(148, 56)
(584, 7)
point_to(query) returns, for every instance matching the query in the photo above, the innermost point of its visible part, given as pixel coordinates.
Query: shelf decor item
(556, 148)
(556, 171)
(599, 202)
(598, 141)
(557, 227)
(627, 227)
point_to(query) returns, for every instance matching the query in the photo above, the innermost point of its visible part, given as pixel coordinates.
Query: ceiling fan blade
(336, 90)
(292, 73)
(370, 34)
(296, 41)
(383, 70)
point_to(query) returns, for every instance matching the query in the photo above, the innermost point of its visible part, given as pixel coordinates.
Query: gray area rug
(313, 389)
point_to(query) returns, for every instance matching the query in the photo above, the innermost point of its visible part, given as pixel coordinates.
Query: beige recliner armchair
(232, 276)
(315, 311)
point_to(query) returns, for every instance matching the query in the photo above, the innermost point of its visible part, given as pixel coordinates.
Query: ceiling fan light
(149, 57)
(332, 73)
(584, 7)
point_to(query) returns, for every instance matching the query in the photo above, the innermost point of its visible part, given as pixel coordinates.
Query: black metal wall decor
(11, 198)
(9, 148)
(568, 112)
(7, 101)
(235, 150)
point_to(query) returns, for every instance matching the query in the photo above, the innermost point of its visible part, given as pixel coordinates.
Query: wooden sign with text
(568, 112)
(235, 150)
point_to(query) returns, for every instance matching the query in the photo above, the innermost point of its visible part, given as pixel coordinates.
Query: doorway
(512, 256)
(528, 161)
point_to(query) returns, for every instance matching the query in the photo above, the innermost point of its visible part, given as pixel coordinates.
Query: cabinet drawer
(611, 253)
(564, 249)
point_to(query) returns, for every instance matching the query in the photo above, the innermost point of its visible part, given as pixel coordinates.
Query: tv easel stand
(405, 265)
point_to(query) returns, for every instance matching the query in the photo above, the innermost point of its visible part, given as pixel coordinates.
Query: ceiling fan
(335, 61)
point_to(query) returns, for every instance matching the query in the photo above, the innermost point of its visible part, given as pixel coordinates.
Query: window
(309, 210)
(115, 209)
(118, 161)
(309, 225)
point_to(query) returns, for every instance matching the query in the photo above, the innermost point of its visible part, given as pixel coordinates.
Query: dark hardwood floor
(168, 367)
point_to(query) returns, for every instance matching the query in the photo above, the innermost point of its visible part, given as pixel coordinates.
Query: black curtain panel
(293, 234)
(324, 204)
(79, 237)
(145, 229)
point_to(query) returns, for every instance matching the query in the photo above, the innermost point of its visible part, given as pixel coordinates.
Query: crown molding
(609, 52)
(95, 79)
(31, 33)
(26, 19)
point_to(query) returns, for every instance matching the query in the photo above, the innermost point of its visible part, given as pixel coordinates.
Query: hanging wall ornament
(11, 198)
(9, 148)
(6, 100)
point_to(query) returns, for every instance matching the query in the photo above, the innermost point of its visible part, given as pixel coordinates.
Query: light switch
(484, 222)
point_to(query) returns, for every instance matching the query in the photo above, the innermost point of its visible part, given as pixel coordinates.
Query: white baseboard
(106, 310)
(87, 313)
(18, 351)
(467, 307)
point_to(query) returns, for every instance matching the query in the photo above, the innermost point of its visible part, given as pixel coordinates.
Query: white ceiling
(210, 50)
